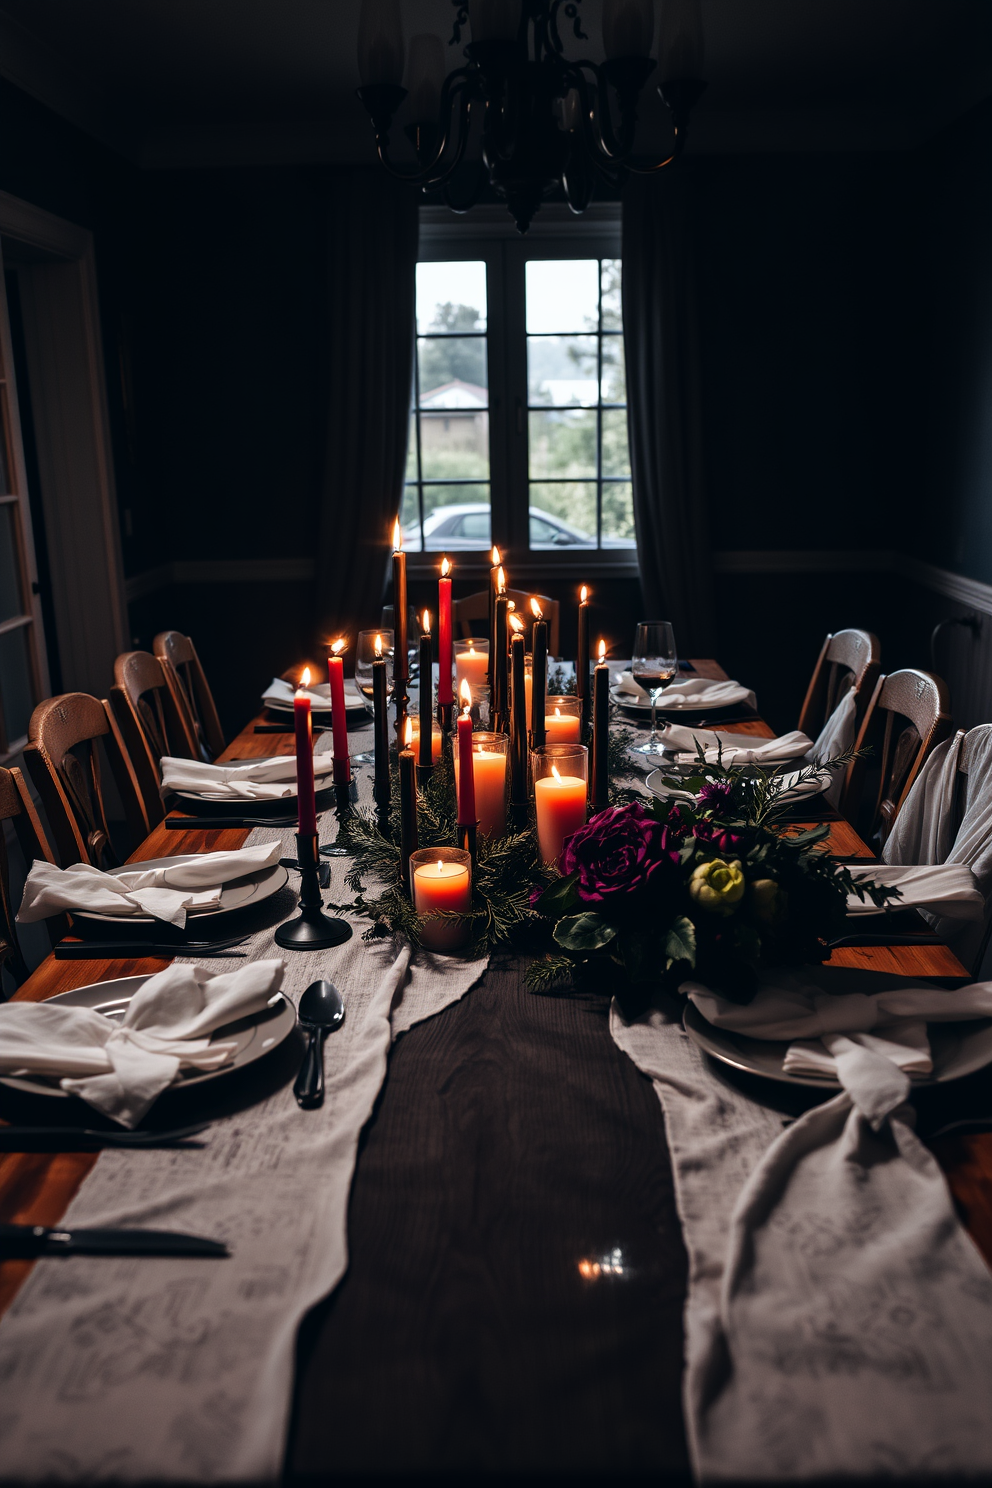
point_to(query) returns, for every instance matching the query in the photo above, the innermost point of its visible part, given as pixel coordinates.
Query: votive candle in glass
(563, 720)
(489, 759)
(435, 738)
(471, 663)
(561, 774)
(441, 881)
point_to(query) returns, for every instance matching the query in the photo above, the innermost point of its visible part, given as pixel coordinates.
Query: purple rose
(617, 854)
(718, 837)
(715, 795)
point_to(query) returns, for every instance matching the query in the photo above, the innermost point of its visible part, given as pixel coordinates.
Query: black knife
(130, 950)
(81, 1139)
(28, 1242)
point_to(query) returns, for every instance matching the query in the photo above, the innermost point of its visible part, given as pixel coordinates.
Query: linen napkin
(262, 780)
(949, 889)
(282, 694)
(688, 693)
(165, 892)
(122, 1067)
(738, 749)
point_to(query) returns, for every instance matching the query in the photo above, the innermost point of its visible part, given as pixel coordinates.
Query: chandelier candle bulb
(500, 698)
(380, 700)
(601, 733)
(445, 695)
(539, 669)
(560, 787)
(408, 803)
(442, 884)
(472, 664)
(489, 755)
(582, 655)
(518, 721)
(339, 718)
(305, 792)
(426, 696)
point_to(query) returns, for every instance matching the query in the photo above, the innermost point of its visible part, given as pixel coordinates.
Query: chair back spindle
(150, 723)
(907, 716)
(847, 659)
(191, 691)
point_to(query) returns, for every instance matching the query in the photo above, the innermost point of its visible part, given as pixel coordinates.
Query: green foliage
(584, 932)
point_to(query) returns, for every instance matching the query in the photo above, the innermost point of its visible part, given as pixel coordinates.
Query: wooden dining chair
(465, 613)
(191, 691)
(62, 755)
(150, 723)
(847, 659)
(907, 716)
(17, 807)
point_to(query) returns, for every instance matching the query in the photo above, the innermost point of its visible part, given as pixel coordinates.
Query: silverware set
(128, 950)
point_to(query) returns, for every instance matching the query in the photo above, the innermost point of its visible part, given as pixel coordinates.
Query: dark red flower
(617, 854)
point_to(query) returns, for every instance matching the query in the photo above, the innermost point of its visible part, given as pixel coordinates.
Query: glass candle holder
(471, 663)
(415, 738)
(563, 720)
(490, 753)
(560, 773)
(441, 880)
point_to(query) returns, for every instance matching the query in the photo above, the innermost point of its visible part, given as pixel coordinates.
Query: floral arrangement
(712, 885)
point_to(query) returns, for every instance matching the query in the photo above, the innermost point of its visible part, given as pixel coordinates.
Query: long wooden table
(513, 1147)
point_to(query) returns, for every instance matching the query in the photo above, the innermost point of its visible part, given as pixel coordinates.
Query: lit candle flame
(445, 568)
(538, 612)
(602, 651)
(501, 581)
(338, 646)
(557, 712)
(497, 560)
(471, 649)
(397, 536)
(305, 679)
(407, 732)
(427, 622)
(465, 693)
(517, 624)
(583, 594)
(440, 868)
(554, 771)
(378, 648)
(511, 605)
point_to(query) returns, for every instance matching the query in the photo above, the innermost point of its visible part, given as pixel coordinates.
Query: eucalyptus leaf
(680, 942)
(584, 932)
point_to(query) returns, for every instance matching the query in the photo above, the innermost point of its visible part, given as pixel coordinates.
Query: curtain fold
(372, 258)
(664, 416)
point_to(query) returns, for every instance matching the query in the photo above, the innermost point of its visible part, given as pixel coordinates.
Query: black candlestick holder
(312, 930)
(345, 797)
(467, 839)
(446, 718)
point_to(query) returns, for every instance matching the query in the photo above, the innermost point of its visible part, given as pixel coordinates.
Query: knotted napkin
(262, 780)
(282, 694)
(167, 892)
(737, 749)
(949, 889)
(122, 1067)
(688, 693)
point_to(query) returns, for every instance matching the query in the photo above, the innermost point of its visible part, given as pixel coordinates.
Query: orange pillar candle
(472, 664)
(305, 792)
(489, 756)
(339, 719)
(415, 739)
(445, 696)
(442, 882)
(561, 809)
(562, 723)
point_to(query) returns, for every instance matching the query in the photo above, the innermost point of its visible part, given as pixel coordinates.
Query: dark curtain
(663, 409)
(372, 257)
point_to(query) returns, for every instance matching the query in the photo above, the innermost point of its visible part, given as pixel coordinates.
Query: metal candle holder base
(312, 930)
(345, 797)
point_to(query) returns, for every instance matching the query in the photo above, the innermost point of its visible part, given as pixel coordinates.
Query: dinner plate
(694, 705)
(812, 787)
(958, 1049)
(251, 888)
(353, 705)
(254, 1036)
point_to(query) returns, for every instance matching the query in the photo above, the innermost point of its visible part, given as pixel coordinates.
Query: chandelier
(547, 120)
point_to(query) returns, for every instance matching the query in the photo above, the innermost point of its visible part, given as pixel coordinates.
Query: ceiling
(222, 82)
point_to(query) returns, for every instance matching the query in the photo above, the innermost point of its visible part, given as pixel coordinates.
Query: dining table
(516, 1279)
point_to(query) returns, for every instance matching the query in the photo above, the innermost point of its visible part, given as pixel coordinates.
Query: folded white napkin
(166, 892)
(688, 692)
(262, 780)
(738, 749)
(795, 1005)
(122, 1067)
(282, 693)
(949, 888)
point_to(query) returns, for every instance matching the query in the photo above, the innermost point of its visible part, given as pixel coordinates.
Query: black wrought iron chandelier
(547, 120)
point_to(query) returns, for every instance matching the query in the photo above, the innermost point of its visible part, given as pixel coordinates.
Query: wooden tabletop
(510, 1127)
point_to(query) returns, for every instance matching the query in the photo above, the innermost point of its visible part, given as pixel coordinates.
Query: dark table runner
(512, 1141)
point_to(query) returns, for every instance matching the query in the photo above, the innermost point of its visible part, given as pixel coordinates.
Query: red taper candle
(445, 694)
(466, 765)
(305, 792)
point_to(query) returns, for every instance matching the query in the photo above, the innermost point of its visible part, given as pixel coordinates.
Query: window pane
(562, 443)
(563, 516)
(10, 586)
(411, 451)
(453, 372)
(561, 370)
(455, 445)
(562, 294)
(456, 517)
(612, 317)
(614, 374)
(15, 683)
(451, 296)
(618, 515)
(410, 519)
(616, 458)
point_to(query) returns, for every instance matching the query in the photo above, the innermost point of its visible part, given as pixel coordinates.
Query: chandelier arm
(425, 175)
(604, 147)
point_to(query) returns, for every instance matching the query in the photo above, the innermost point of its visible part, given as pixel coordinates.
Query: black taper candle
(426, 697)
(380, 703)
(408, 811)
(518, 722)
(582, 657)
(600, 792)
(500, 708)
(401, 660)
(539, 689)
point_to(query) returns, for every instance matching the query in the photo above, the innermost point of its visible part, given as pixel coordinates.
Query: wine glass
(364, 657)
(653, 663)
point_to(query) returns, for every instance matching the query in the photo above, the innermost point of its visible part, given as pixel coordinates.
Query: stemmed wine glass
(653, 663)
(364, 657)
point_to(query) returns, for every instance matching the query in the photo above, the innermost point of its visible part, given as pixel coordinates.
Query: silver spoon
(321, 1012)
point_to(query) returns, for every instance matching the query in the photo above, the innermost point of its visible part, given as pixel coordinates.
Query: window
(518, 425)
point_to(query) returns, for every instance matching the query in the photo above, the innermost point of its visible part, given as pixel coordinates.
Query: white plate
(695, 705)
(958, 1049)
(813, 787)
(259, 805)
(255, 1036)
(251, 888)
(353, 706)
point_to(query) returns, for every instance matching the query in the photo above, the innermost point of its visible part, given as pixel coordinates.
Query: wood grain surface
(513, 1147)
